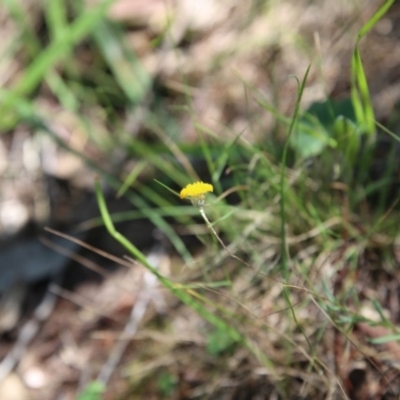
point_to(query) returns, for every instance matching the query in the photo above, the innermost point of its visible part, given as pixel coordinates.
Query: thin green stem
(209, 225)
(284, 255)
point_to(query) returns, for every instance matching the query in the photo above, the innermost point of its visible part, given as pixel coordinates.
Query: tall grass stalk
(284, 254)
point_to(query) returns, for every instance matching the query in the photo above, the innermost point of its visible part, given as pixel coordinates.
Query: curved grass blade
(360, 95)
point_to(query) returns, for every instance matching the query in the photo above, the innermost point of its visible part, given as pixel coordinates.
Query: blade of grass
(223, 158)
(361, 98)
(295, 116)
(56, 18)
(127, 69)
(61, 90)
(385, 339)
(158, 160)
(166, 187)
(205, 147)
(136, 171)
(388, 131)
(122, 216)
(174, 148)
(284, 255)
(359, 86)
(375, 18)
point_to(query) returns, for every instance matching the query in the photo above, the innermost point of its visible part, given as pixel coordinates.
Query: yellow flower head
(196, 192)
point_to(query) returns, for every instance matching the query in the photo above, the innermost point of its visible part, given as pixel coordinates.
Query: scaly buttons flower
(196, 192)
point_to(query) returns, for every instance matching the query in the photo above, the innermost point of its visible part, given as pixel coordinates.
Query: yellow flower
(196, 192)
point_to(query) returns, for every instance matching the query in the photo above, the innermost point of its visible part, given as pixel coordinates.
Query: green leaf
(329, 123)
(309, 140)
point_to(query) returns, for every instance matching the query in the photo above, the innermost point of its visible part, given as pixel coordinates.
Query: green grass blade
(206, 150)
(61, 90)
(388, 131)
(295, 117)
(375, 18)
(359, 86)
(127, 68)
(56, 18)
(360, 96)
(385, 339)
(223, 158)
(166, 187)
(136, 171)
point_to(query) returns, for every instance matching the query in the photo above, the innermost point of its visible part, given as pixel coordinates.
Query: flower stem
(209, 225)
